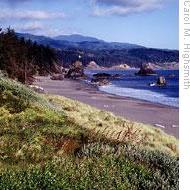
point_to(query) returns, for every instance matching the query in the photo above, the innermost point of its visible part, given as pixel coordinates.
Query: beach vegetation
(52, 142)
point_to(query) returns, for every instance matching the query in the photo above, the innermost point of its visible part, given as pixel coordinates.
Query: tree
(21, 58)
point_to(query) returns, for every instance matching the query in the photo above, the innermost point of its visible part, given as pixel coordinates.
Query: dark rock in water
(106, 76)
(102, 75)
(76, 71)
(100, 82)
(104, 82)
(57, 77)
(161, 81)
(146, 70)
(102, 79)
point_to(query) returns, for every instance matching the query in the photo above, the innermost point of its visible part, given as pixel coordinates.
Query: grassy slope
(49, 141)
(115, 128)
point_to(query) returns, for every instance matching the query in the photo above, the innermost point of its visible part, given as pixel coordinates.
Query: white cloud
(40, 28)
(30, 27)
(30, 15)
(125, 7)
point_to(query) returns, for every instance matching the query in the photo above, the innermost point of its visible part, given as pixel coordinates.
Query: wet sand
(161, 116)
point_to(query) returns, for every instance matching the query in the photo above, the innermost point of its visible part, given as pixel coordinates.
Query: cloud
(30, 15)
(41, 28)
(30, 27)
(35, 27)
(125, 7)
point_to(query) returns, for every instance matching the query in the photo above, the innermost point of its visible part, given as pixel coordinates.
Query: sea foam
(141, 94)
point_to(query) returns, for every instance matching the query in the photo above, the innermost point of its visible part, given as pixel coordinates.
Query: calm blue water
(130, 85)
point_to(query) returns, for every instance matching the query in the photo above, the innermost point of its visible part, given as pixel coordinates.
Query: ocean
(131, 85)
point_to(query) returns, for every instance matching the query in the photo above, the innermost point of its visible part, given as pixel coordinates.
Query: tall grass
(51, 142)
(105, 125)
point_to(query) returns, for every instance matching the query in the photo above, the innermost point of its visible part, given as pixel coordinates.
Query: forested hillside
(106, 54)
(109, 58)
(20, 58)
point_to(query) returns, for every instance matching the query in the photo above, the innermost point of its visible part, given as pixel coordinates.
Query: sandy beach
(161, 116)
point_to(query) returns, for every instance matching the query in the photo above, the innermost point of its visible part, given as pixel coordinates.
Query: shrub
(14, 96)
(42, 147)
(105, 171)
(163, 168)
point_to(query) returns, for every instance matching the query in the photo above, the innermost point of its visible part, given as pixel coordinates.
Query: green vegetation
(113, 128)
(21, 59)
(51, 142)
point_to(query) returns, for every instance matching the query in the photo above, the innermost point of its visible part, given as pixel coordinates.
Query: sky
(151, 23)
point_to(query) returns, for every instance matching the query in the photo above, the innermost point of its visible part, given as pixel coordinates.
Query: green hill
(51, 142)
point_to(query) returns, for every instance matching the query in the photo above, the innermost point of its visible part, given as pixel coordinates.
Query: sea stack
(76, 71)
(146, 69)
(161, 81)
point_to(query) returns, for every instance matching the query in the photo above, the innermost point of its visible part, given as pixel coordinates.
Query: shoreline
(161, 116)
(131, 68)
(130, 98)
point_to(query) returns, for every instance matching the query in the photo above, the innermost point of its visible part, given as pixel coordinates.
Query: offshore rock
(146, 70)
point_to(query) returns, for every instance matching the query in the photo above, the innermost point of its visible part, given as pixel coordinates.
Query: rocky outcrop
(93, 65)
(76, 71)
(146, 69)
(65, 71)
(120, 67)
(161, 81)
(100, 82)
(102, 76)
(106, 76)
(102, 79)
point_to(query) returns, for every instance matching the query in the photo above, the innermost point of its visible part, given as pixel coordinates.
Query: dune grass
(114, 128)
(51, 142)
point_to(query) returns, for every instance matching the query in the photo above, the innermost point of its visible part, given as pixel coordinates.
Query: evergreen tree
(21, 58)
